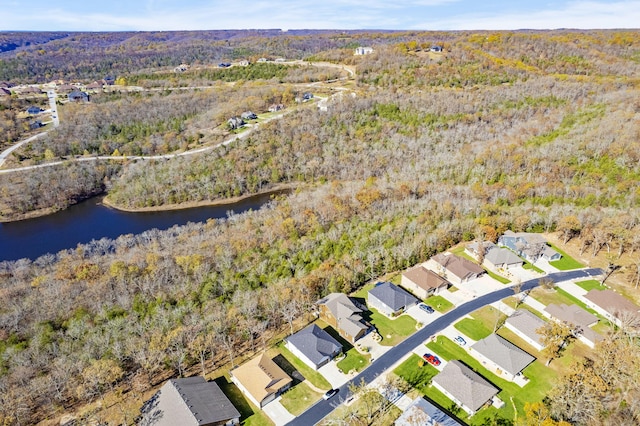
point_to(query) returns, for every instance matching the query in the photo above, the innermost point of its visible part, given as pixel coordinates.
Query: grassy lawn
(488, 316)
(540, 379)
(362, 292)
(560, 296)
(417, 376)
(459, 251)
(528, 265)
(393, 331)
(498, 278)
(453, 289)
(308, 373)
(472, 328)
(297, 399)
(566, 262)
(249, 414)
(353, 361)
(439, 303)
(590, 285)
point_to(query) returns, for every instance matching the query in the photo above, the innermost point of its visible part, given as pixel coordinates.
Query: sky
(150, 15)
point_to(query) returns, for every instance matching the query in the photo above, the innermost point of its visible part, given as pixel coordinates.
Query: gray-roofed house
(610, 304)
(578, 318)
(421, 412)
(314, 346)
(501, 356)
(524, 324)
(423, 282)
(34, 110)
(248, 115)
(389, 299)
(495, 257)
(344, 315)
(455, 269)
(78, 96)
(189, 401)
(528, 245)
(464, 387)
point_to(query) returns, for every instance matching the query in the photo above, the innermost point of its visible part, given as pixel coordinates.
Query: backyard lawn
(297, 399)
(417, 376)
(393, 331)
(249, 414)
(566, 262)
(439, 303)
(475, 329)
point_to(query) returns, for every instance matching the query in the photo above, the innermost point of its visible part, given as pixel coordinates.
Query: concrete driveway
(334, 376)
(277, 413)
(421, 316)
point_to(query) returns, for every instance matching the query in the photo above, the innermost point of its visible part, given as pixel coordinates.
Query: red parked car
(431, 359)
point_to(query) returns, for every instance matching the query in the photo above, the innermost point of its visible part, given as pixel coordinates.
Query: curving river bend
(91, 220)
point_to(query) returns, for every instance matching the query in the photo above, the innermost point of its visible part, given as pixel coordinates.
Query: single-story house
(189, 401)
(577, 318)
(389, 299)
(344, 315)
(35, 124)
(529, 246)
(524, 324)
(423, 282)
(109, 80)
(495, 257)
(360, 50)
(501, 356)
(235, 123)
(422, 412)
(96, 85)
(78, 96)
(34, 110)
(181, 68)
(436, 48)
(261, 380)
(66, 88)
(610, 304)
(248, 115)
(464, 387)
(276, 107)
(314, 346)
(456, 269)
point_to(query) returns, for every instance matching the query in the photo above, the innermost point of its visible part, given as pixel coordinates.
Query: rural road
(323, 408)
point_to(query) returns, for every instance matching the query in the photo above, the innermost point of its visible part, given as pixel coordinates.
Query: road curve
(323, 408)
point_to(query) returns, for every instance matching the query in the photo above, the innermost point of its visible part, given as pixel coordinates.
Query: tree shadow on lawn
(288, 368)
(235, 396)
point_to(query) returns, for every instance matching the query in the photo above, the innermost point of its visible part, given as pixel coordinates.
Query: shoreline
(205, 203)
(282, 188)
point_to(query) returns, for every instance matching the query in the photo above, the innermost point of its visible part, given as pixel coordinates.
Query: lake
(91, 220)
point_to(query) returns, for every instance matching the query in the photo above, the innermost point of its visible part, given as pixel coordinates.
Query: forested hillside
(535, 131)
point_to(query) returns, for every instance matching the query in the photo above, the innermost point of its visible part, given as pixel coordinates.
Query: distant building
(78, 96)
(363, 50)
(235, 123)
(181, 68)
(189, 401)
(248, 115)
(276, 107)
(34, 110)
(436, 49)
(5, 91)
(528, 245)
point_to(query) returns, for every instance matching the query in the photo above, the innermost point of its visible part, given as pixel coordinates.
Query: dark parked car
(431, 359)
(330, 393)
(428, 309)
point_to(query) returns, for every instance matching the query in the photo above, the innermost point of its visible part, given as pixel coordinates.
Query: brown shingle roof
(425, 278)
(458, 266)
(261, 377)
(572, 314)
(611, 301)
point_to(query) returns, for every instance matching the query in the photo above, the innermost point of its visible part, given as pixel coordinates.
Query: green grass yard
(354, 360)
(439, 303)
(475, 329)
(590, 285)
(297, 399)
(393, 331)
(498, 278)
(566, 262)
(249, 414)
(540, 379)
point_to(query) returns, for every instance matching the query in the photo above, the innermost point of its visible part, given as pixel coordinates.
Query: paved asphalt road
(322, 408)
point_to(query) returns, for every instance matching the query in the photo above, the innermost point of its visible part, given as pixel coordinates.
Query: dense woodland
(535, 131)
